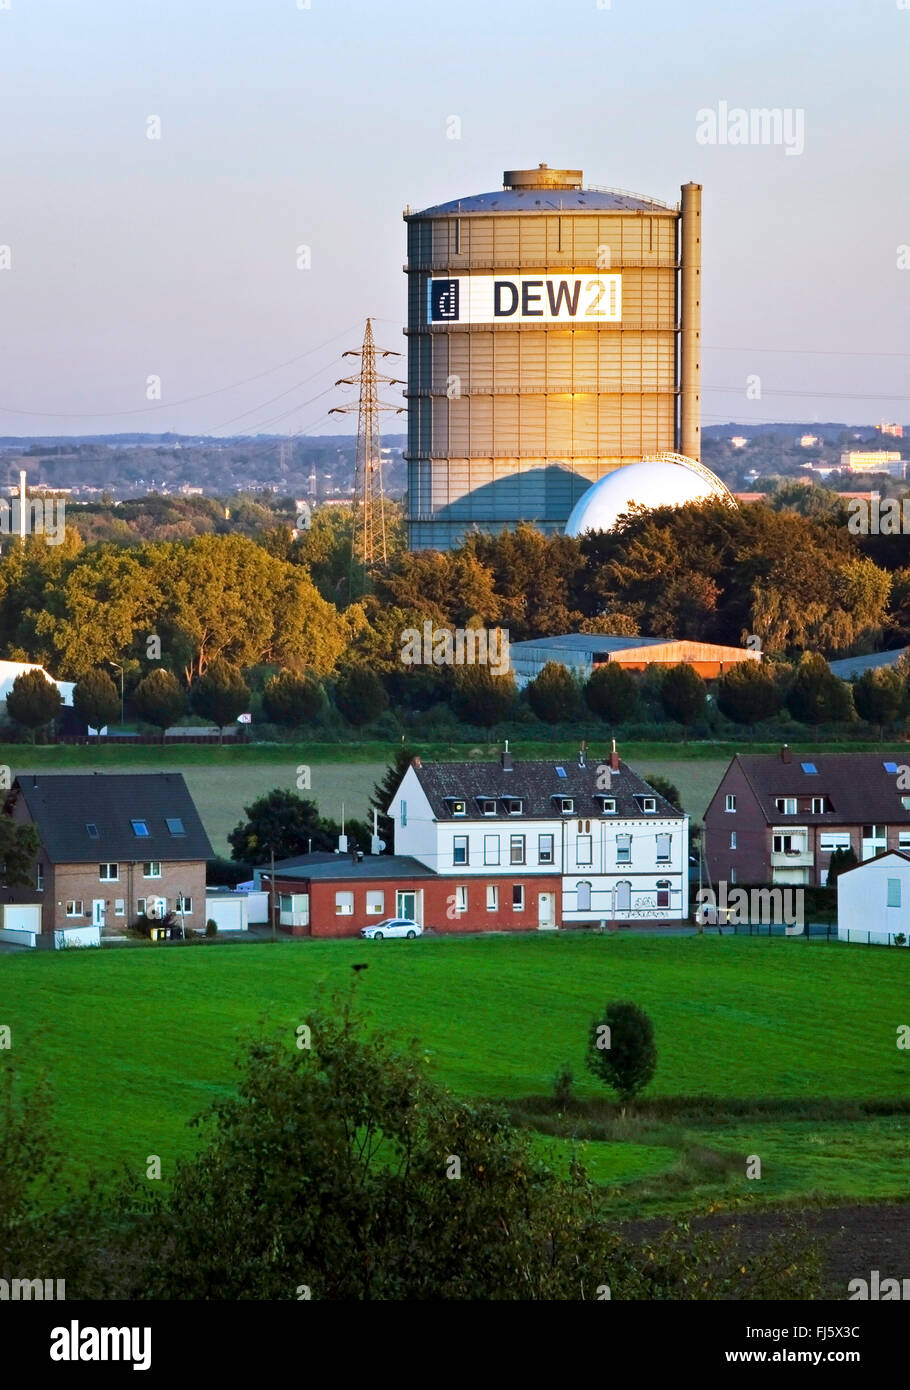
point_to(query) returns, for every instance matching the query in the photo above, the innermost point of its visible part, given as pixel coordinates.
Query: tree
(611, 693)
(159, 699)
(748, 693)
(220, 695)
(33, 701)
(481, 698)
(553, 694)
(290, 699)
(360, 696)
(817, 696)
(880, 696)
(96, 698)
(384, 791)
(841, 859)
(621, 1050)
(19, 845)
(682, 694)
(280, 823)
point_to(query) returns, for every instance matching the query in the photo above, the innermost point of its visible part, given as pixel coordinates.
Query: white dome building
(660, 480)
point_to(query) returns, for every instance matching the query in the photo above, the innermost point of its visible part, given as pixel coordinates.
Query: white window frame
(108, 877)
(517, 846)
(344, 902)
(583, 899)
(187, 909)
(461, 842)
(151, 864)
(461, 897)
(492, 897)
(624, 849)
(120, 907)
(580, 842)
(518, 897)
(668, 857)
(491, 850)
(730, 803)
(786, 805)
(375, 902)
(75, 903)
(542, 855)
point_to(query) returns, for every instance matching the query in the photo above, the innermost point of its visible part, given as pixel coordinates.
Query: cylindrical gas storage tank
(545, 348)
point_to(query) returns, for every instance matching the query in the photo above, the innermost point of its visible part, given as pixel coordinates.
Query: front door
(406, 905)
(546, 911)
(97, 912)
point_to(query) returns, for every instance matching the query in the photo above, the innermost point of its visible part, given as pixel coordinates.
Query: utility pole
(368, 541)
(120, 669)
(274, 899)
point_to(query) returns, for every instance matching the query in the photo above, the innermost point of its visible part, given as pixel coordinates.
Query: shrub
(211, 927)
(621, 1049)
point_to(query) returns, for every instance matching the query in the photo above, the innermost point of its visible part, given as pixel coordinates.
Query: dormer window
(786, 805)
(512, 805)
(648, 804)
(459, 808)
(566, 805)
(487, 806)
(608, 805)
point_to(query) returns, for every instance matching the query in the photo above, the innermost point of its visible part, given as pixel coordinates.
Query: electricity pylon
(368, 542)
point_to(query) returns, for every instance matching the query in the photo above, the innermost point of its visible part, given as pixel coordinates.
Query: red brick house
(336, 895)
(777, 818)
(112, 847)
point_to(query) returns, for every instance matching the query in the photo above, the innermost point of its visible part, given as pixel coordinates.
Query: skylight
(561, 772)
(140, 827)
(174, 825)
(810, 769)
(890, 767)
(91, 830)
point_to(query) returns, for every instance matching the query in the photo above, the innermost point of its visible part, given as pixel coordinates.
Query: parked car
(392, 926)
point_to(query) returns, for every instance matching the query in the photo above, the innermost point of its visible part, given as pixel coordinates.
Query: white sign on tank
(585, 298)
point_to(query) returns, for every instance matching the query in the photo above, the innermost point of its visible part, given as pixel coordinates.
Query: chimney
(505, 758)
(785, 754)
(614, 758)
(415, 761)
(581, 754)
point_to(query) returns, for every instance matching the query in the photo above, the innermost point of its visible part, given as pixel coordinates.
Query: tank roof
(547, 200)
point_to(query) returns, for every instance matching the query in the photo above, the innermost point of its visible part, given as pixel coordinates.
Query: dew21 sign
(589, 298)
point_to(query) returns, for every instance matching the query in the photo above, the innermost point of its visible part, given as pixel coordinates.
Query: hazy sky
(284, 126)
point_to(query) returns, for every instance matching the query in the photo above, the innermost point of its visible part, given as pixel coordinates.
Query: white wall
(67, 938)
(230, 914)
(863, 914)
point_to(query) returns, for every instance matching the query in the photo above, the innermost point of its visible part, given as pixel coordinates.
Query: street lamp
(120, 669)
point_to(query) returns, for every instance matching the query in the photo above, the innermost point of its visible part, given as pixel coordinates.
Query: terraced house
(778, 818)
(559, 842)
(113, 846)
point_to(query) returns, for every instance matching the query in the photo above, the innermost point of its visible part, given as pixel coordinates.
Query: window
(584, 850)
(487, 806)
(403, 808)
(183, 905)
(624, 849)
(786, 805)
(903, 840)
(344, 903)
(151, 869)
(492, 897)
(75, 908)
(513, 805)
(874, 832)
(894, 892)
(461, 897)
(648, 804)
(120, 907)
(458, 808)
(560, 772)
(375, 902)
(663, 848)
(174, 825)
(583, 892)
(623, 896)
(491, 849)
(140, 828)
(39, 878)
(609, 805)
(140, 906)
(835, 839)
(566, 805)
(730, 803)
(545, 849)
(788, 844)
(518, 897)
(890, 767)
(91, 830)
(109, 873)
(460, 849)
(810, 769)
(732, 875)
(905, 802)
(663, 892)
(517, 849)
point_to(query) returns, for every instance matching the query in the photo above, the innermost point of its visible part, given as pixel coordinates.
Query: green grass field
(137, 1041)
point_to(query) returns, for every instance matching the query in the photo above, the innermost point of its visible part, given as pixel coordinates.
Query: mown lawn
(136, 1041)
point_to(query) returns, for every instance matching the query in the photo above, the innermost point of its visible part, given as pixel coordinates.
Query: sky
(154, 285)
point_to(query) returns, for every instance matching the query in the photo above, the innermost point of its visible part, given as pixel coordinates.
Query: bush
(621, 1049)
(211, 927)
(563, 1082)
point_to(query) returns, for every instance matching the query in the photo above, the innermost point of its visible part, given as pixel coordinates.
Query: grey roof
(590, 642)
(536, 783)
(62, 806)
(856, 665)
(546, 200)
(860, 789)
(342, 866)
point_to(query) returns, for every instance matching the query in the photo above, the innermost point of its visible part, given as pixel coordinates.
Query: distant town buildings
(739, 441)
(873, 461)
(896, 431)
(809, 441)
(581, 652)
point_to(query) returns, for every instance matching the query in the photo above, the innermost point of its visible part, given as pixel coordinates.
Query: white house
(873, 900)
(9, 670)
(616, 849)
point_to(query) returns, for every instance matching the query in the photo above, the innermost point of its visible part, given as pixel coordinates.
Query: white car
(392, 926)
